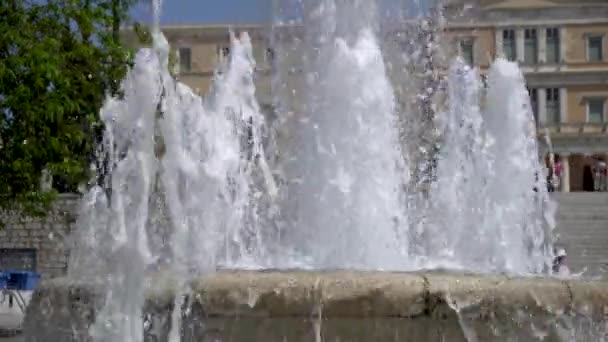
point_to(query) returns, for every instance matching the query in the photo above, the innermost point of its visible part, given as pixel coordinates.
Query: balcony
(576, 138)
(574, 128)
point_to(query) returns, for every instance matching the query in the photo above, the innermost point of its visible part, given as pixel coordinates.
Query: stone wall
(42, 239)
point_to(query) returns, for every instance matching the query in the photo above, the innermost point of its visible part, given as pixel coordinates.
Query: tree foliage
(59, 59)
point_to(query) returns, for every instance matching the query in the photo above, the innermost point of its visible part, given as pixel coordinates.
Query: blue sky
(221, 11)
(209, 11)
(216, 11)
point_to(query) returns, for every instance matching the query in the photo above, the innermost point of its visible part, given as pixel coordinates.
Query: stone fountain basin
(342, 306)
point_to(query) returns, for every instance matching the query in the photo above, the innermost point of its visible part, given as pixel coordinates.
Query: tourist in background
(557, 171)
(596, 175)
(599, 175)
(550, 180)
(559, 263)
(602, 167)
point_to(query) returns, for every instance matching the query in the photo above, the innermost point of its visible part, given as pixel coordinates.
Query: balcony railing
(576, 128)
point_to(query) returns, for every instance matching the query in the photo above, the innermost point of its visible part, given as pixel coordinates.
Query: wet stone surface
(343, 306)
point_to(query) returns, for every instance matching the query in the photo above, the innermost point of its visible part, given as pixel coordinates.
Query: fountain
(345, 169)
(197, 236)
(481, 157)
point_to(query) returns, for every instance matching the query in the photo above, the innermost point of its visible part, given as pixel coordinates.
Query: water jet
(212, 241)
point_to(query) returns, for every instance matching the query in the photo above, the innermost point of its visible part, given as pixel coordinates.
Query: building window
(467, 51)
(533, 93)
(553, 106)
(18, 259)
(595, 110)
(595, 48)
(185, 59)
(224, 53)
(553, 46)
(270, 55)
(508, 44)
(270, 58)
(530, 46)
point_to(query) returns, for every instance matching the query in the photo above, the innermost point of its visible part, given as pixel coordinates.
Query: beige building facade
(203, 50)
(562, 47)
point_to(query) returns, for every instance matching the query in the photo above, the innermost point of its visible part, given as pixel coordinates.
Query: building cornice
(526, 23)
(215, 26)
(263, 31)
(579, 143)
(569, 78)
(538, 4)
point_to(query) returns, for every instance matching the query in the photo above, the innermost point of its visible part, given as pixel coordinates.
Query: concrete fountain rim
(345, 293)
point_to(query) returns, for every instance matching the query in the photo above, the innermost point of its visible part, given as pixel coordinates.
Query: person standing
(602, 175)
(596, 175)
(557, 171)
(559, 263)
(550, 180)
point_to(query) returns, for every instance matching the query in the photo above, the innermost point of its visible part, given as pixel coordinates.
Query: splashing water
(518, 191)
(203, 158)
(113, 247)
(345, 174)
(212, 157)
(489, 187)
(460, 192)
(189, 188)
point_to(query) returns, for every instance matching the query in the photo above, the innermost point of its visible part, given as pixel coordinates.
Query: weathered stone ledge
(364, 294)
(383, 294)
(273, 304)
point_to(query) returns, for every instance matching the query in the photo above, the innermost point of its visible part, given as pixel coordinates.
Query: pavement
(18, 338)
(11, 317)
(10, 323)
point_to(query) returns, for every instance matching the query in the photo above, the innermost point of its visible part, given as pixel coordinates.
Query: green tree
(59, 59)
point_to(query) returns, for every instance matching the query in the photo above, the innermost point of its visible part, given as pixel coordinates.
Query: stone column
(565, 181)
(563, 105)
(541, 98)
(562, 45)
(542, 44)
(520, 38)
(176, 68)
(498, 40)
